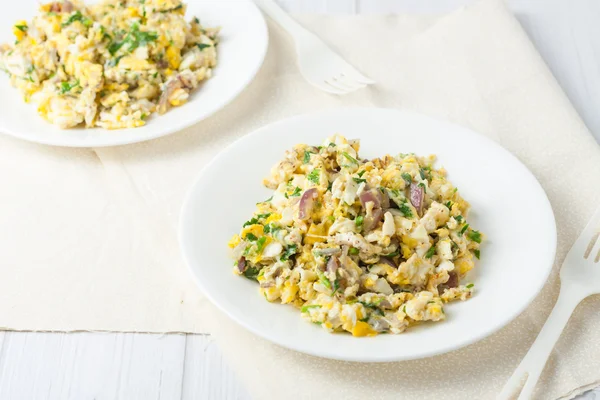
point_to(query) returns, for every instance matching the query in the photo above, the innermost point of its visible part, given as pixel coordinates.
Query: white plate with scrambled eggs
(109, 72)
(368, 235)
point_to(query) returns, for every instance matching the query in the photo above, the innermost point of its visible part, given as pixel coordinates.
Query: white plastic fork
(580, 278)
(319, 65)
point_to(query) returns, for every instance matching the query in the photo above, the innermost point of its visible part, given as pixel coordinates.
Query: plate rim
(532, 295)
(120, 140)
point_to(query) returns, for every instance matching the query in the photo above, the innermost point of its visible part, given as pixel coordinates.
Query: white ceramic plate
(241, 51)
(508, 205)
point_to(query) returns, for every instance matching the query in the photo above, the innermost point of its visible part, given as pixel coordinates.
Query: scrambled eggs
(110, 64)
(364, 246)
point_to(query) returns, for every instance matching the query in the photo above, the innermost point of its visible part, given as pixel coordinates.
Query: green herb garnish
(266, 201)
(22, 28)
(78, 16)
(290, 251)
(350, 158)
(260, 243)
(359, 180)
(306, 159)
(314, 176)
(458, 218)
(202, 46)
(114, 62)
(475, 236)
(252, 273)
(306, 308)
(323, 279)
(134, 39)
(67, 86)
(361, 173)
(463, 230)
(251, 237)
(430, 252)
(353, 251)
(359, 221)
(179, 7)
(270, 228)
(422, 173)
(405, 209)
(336, 285)
(477, 253)
(394, 254)
(407, 178)
(252, 221)
(470, 285)
(296, 192)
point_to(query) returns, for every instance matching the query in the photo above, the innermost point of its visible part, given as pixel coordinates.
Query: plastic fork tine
(316, 60)
(594, 253)
(589, 250)
(351, 83)
(342, 85)
(354, 74)
(593, 226)
(337, 85)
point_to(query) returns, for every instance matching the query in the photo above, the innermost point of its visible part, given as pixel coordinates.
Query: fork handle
(282, 18)
(534, 361)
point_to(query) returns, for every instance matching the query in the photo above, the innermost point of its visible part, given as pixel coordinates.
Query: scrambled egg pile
(110, 64)
(361, 246)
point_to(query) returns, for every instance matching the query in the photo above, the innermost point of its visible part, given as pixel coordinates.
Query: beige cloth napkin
(88, 237)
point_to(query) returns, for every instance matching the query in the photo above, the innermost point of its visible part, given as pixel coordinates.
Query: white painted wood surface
(142, 366)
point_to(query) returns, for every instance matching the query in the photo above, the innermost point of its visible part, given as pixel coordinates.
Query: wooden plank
(206, 374)
(91, 365)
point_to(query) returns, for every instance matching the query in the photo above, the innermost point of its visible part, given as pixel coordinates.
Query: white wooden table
(141, 366)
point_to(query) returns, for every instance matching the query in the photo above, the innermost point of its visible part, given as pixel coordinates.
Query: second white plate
(508, 204)
(242, 48)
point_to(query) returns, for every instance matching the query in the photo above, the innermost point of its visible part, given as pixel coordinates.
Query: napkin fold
(88, 237)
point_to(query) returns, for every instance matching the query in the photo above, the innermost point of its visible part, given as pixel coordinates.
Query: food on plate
(364, 246)
(110, 64)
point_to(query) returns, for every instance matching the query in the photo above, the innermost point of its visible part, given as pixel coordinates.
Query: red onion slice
(372, 220)
(385, 304)
(332, 265)
(416, 197)
(452, 281)
(385, 260)
(241, 265)
(306, 203)
(370, 195)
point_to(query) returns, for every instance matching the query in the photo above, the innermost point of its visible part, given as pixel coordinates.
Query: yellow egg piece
(235, 240)
(363, 329)
(20, 29)
(273, 217)
(173, 56)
